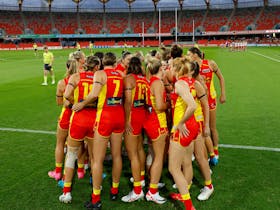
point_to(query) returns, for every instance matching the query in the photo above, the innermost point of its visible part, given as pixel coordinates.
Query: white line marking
(250, 147)
(270, 58)
(27, 130)
(220, 145)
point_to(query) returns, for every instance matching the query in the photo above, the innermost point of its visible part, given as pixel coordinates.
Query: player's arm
(183, 90)
(128, 101)
(99, 81)
(69, 91)
(59, 92)
(218, 72)
(202, 97)
(158, 89)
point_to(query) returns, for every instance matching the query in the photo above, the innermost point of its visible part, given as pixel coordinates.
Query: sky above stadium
(95, 4)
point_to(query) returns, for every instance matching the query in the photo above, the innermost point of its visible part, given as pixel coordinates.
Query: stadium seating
(11, 22)
(186, 23)
(216, 19)
(38, 22)
(242, 18)
(14, 22)
(269, 18)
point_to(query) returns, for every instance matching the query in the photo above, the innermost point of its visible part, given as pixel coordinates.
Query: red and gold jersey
(120, 67)
(207, 73)
(140, 92)
(111, 94)
(198, 114)
(84, 86)
(179, 106)
(161, 115)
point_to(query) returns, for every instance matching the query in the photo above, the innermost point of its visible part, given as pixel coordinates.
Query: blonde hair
(73, 67)
(77, 55)
(153, 64)
(181, 66)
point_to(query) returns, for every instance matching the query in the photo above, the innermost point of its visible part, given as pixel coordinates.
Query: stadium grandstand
(137, 22)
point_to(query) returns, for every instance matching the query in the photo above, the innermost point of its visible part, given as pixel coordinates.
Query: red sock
(95, 198)
(80, 169)
(210, 186)
(216, 151)
(58, 169)
(153, 188)
(137, 187)
(66, 189)
(114, 190)
(188, 204)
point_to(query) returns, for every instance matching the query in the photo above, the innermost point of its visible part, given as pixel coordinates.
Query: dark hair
(176, 51)
(195, 68)
(91, 62)
(153, 53)
(195, 50)
(134, 66)
(109, 59)
(100, 55)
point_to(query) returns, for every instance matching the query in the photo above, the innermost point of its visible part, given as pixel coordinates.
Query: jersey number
(87, 88)
(117, 88)
(141, 91)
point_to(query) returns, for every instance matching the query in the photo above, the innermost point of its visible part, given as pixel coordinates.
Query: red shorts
(193, 128)
(153, 128)
(138, 116)
(82, 123)
(212, 102)
(64, 118)
(110, 121)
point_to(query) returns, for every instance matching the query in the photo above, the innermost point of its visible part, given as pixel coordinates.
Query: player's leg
(214, 131)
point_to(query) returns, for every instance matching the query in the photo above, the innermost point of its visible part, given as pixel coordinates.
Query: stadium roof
(138, 4)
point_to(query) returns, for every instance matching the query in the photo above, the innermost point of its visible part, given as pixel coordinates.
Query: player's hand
(66, 103)
(183, 131)
(222, 99)
(128, 128)
(206, 131)
(78, 106)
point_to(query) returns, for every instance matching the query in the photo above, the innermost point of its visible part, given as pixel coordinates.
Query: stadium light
(20, 5)
(207, 2)
(181, 2)
(104, 2)
(155, 4)
(129, 14)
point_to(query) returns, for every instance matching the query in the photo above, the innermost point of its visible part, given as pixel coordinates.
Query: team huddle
(166, 96)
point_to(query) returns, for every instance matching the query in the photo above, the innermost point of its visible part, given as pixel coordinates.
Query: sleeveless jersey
(152, 103)
(207, 73)
(139, 93)
(84, 86)
(198, 114)
(178, 104)
(111, 95)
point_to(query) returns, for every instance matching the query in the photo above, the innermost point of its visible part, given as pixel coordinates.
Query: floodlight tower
(104, 2)
(78, 4)
(155, 12)
(50, 4)
(129, 14)
(20, 5)
(207, 2)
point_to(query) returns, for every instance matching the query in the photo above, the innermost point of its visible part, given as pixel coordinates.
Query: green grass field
(243, 180)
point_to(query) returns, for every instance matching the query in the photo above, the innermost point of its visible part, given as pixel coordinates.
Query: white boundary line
(265, 56)
(27, 130)
(249, 147)
(220, 145)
